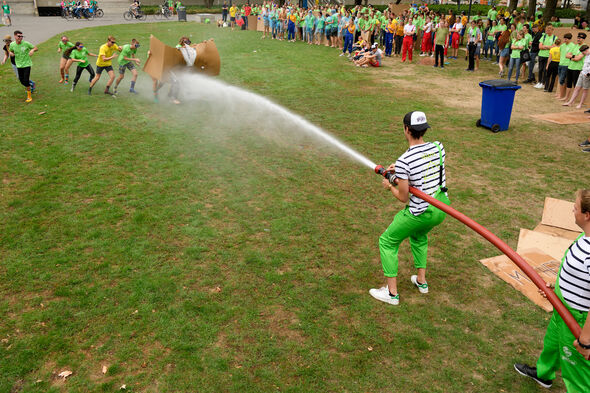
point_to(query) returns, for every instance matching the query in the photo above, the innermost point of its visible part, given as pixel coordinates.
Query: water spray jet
(502, 246)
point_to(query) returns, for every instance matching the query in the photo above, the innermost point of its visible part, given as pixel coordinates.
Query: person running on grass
(7, 42)
(561, 350)
(6, 13)
(126, 60)
(64, 62)
(422, 166)
(79, 55)
(22, 52)
(104, 63)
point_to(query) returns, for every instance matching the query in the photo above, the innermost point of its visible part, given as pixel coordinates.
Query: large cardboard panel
(163, 58)
(552, 245)
(252, 22)
(260, 24)
(558, 213)
(570, 235)
(545, 265)
(576, 117)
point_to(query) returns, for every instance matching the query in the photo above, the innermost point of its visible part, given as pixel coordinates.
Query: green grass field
(189, 251)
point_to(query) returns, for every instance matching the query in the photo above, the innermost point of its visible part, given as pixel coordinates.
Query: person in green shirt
(64, 62)
(79, 55)
(517, 46)
(22, 52)
(564, 62)
(575, 65)
(545, 43)
(6, 13)
(492, 13)
(126, 59)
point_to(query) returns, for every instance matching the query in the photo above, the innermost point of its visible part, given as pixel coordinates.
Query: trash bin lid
(500, 84)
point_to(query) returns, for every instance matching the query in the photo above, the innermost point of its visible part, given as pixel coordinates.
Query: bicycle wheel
(142, 17)
(167, 13)
(127, 15)
(99, 13)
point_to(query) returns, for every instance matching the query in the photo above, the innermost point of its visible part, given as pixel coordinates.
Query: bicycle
(138, 14)
(163, 12)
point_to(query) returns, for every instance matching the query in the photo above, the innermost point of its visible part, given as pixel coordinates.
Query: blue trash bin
(496, 104)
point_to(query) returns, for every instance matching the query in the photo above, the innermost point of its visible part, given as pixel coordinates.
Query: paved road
(39, 29)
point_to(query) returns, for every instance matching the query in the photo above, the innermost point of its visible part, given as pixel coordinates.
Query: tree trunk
(512, 6)
(550, 6)
(532, 8)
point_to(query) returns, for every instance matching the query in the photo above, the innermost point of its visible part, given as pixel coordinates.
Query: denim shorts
(505, 52)
(562, 72)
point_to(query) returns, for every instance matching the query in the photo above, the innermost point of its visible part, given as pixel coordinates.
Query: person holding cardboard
(422, 166)
(561, 350)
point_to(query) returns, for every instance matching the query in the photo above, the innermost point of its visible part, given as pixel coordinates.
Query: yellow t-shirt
(554, 54)
(232, 11)
(106, 51)
(464, 20)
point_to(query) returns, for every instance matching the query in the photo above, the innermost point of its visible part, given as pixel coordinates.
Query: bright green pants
(406, 225)
(560, 353)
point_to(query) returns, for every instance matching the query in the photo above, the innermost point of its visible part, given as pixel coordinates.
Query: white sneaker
(539, 86)
(341, 54)
(423, 288)
(383, 295)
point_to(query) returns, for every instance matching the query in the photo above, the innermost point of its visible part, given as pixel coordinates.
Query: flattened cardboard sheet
(545, 265)
(577, 117)
(558, 213)
(252, 22)
(552, 245)
(570, 235)
(163, 58)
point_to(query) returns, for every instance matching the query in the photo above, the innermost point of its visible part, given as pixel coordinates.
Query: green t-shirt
(301, 21)
(321, 22)
(492, 33)
(64, 47)
(126, 51)
(528, 38)
(81, 54)
(476, 18)
(576, 65)
(492, 14)
(516, 52)
(309, 19)
(563, 50)
(547, 41)
(441, 33)
(501, 27)
(6, 9)
(21, 53)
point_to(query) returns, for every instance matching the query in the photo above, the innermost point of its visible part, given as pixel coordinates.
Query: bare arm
(402, 192)
(585, 339)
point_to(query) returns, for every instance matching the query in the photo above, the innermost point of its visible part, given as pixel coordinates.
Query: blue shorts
(505, 52)
(266, 22)
(562, 72)
(319, 31)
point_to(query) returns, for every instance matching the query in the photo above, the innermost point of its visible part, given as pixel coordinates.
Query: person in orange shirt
(399, 36)
(291, 26)
(349, 30)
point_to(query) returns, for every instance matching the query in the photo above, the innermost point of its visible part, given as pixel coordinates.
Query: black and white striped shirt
(420, 165)
(574, 278)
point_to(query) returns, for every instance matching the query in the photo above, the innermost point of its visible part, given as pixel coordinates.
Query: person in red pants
(408, 44)
(426, 49)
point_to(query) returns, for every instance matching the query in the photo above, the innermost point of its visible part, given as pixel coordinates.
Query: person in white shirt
(583, 82)
(408, 44)
(455, 31)
(426, 49)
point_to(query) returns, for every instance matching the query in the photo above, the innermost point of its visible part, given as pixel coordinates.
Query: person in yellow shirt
(233, 10)
(552, 66)
(104, 63)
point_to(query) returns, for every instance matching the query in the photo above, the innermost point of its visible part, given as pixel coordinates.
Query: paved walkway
(38, 29)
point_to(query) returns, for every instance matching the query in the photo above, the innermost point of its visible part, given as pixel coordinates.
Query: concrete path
(39, 29)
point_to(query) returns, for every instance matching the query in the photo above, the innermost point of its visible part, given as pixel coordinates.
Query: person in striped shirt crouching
(561, 350)
(421, 166)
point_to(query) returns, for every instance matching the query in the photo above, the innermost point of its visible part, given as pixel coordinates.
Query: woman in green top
(64, 63)
(79, 54)
(517, 46)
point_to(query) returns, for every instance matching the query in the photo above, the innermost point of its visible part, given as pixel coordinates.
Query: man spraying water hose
(422, 167)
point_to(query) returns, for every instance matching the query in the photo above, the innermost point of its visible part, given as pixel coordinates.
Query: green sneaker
(423, 288)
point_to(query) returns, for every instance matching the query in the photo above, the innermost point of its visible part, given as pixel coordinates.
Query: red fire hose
(509, 252)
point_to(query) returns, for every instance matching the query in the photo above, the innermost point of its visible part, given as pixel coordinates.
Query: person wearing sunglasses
(7, 42)
(22, 52)
(127, 61)
(79, 55)
(104, 62)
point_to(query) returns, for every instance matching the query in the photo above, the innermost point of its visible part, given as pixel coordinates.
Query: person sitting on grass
(422, 166)
(372, 58)
(561, 349)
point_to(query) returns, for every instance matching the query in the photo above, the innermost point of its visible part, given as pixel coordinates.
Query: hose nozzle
(380, 170)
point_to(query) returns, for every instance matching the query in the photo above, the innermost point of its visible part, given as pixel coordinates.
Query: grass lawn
(208, 248)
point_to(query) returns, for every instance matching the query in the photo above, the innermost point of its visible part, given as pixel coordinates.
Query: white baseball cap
(416, 120)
